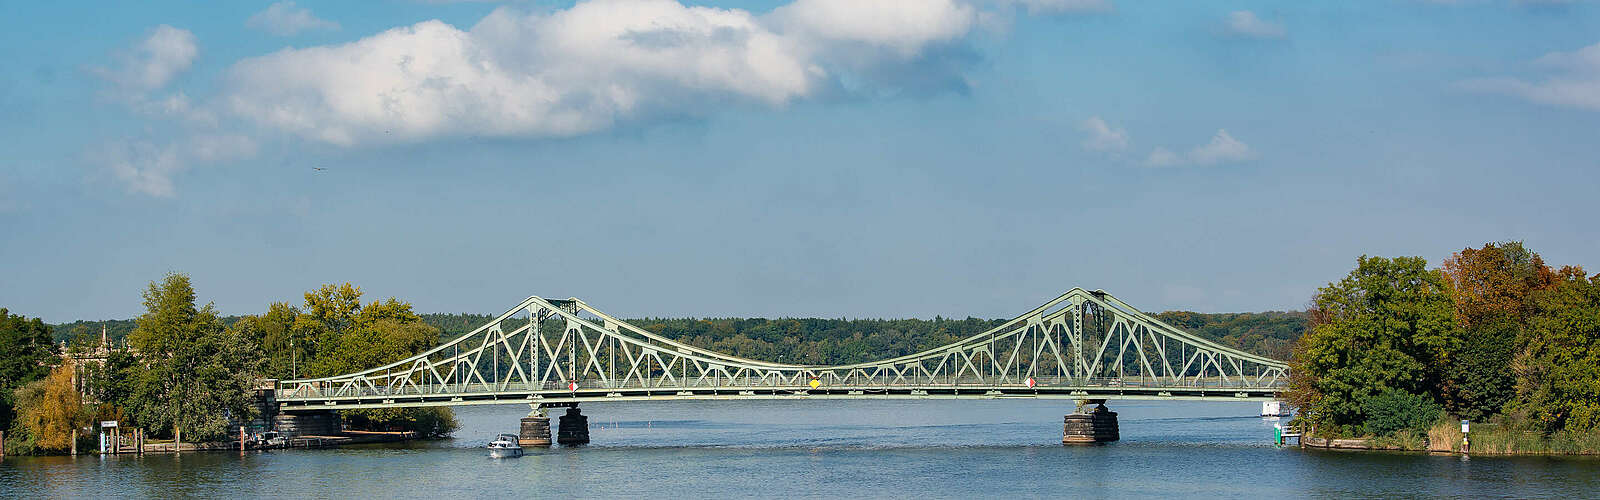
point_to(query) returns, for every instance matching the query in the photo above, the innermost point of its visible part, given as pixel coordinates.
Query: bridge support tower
(1090, 425)
(574, 428)
(535, 428)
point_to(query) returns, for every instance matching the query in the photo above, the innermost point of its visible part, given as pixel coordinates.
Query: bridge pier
(535, 428)
(308, 423)
(1090, 426)
(574, 428)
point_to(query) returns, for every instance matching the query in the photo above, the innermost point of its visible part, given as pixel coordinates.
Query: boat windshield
(504, 440)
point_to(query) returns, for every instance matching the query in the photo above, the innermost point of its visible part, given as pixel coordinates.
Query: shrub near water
(1395, 411)
(1445, 435)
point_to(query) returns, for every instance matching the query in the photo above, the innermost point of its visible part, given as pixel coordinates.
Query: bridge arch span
(1081, 345)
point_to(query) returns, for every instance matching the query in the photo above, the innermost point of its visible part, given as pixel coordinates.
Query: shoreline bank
(1451, 448)
(343, 438)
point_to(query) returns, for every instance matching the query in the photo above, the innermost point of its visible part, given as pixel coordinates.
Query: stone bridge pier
(572, 431)
(308, 423)
(574, 428)
(535, 431)
(1090, 425)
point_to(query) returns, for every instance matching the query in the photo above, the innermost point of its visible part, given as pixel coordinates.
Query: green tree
(1393, 411)
(113, 381)
(344, 336)
(1387, 326)
(278, 337)
(1558, 372)
(194, 373)
(329, 313)
(26, 352)
(1479, 380)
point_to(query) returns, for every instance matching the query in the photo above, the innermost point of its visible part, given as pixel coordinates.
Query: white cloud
(287, 19)
(154, 62)
(1244, 23)
(147, 168)
(1571, 80)
(1584, 60)
(1223, 148)
(552, 72)
(581, 69)
(1102, 136)
(904, 26)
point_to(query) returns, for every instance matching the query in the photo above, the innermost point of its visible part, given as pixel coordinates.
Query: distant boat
(1276, 409)
(505, 446)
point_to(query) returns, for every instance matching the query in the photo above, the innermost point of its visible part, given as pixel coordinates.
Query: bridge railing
(327, 391)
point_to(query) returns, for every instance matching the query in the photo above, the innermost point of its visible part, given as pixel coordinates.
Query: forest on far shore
(841, 341)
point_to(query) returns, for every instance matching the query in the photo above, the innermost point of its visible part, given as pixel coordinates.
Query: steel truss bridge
(551, 352)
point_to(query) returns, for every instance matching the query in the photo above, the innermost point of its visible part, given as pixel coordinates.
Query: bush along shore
(1398, 354)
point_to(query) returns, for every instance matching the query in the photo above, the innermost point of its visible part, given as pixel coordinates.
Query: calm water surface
(908, 449)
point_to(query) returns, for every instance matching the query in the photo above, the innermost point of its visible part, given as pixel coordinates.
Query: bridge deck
(1212, 389)
(754, 393)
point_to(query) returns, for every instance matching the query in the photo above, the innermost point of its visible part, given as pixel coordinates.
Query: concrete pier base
(574, 428)
(1098, 425)
(535, 431)
(308, 423)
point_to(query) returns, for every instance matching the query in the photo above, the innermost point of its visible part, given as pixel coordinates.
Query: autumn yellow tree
(49, 409)
(1495, 282)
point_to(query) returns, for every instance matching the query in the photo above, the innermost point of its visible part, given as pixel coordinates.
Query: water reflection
(823, 449)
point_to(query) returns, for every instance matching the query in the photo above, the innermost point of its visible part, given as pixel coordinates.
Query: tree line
(182, 372)
(1398, 349)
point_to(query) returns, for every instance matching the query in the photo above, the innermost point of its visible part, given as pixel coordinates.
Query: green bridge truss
(1081, 345)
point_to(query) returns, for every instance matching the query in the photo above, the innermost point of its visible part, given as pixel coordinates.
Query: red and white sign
(1032, 382)
(572, 386)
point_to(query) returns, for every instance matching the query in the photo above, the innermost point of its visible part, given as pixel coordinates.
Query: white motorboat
(505, 446)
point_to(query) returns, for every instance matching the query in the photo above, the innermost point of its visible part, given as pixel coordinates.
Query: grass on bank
(1498, 439)
(1492, 438)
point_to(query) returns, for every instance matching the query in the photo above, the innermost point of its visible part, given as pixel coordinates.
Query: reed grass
(1502, 439)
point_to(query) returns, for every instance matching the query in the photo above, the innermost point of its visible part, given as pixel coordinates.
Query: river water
(821, 448)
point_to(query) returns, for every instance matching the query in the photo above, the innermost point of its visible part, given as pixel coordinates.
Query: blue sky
(786, 158)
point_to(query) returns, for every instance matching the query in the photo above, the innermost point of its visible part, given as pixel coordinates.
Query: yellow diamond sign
(815, 383)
